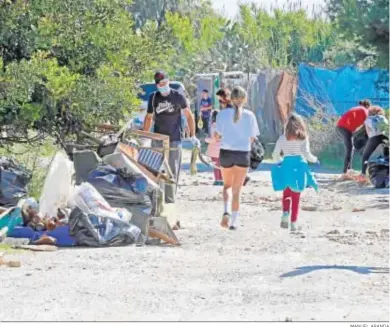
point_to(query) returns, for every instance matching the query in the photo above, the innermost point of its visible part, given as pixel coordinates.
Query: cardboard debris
(46, 240)
(10, 263)
(163, 237)
(38, 248)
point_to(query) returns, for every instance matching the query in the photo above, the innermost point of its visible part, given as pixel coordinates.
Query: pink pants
(217, 172)
(291, 201)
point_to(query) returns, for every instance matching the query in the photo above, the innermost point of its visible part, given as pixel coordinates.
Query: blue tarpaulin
(336, 91)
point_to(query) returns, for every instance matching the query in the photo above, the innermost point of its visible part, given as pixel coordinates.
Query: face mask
(164, 90)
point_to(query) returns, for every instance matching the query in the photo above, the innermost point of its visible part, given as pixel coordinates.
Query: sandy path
(250, 274)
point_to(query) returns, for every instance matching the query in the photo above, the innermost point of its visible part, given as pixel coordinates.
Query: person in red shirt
(347, 125)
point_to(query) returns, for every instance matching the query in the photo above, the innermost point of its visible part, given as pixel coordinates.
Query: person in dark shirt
(206, 106)
(165, 109)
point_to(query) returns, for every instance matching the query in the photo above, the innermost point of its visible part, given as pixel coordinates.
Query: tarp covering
(285, 98)
(336, 91)
(262, 90)
(13, 182)
(271, 96)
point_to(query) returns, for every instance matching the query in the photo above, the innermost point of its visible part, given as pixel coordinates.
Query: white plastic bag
(90, 201)
(58, 185)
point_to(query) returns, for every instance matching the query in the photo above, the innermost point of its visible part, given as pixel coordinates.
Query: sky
(230, 7)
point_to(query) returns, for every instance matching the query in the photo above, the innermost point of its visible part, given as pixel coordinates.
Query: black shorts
(228, 158)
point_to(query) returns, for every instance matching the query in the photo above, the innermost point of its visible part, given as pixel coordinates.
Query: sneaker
(284, 220)
(218, 183)
(232, 223)
(363, 180)
(247, 179)
(293, 227)
(225, 220)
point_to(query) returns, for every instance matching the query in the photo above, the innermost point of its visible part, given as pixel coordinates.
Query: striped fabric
(293, 148)
(152, 160)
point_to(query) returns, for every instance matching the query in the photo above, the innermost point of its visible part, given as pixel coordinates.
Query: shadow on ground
(356, 269)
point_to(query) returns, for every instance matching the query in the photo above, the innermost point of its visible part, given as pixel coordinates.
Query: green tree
(156, 10)
(364, 22)
(80, 59)
(283, 38)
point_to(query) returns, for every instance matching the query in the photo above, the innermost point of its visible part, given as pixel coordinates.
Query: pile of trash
(90, 201)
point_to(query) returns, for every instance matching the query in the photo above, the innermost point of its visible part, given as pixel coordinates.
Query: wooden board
(38, 248)
(128, 153)
(155, 137)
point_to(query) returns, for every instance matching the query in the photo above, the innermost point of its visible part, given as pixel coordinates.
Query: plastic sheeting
(13, 182)
(336, 91)
(125, 191)
(271, 96)
(94, 230)
(262, 93)
(58, 186)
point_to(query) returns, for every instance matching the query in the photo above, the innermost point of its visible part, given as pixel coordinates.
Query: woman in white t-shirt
(377, 128)
(236, 129)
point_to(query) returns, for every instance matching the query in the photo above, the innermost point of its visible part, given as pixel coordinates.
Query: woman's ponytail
(238, 98)
(237, 111)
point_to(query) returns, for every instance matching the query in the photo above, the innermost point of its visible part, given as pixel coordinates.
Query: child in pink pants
(213, 149)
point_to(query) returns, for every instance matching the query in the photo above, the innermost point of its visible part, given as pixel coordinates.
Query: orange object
(50, 225)
(164, 237)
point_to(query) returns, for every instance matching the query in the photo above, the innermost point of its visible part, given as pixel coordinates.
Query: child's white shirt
(293, 148)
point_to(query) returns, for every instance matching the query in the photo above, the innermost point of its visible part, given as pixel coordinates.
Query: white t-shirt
(293, 148)
(236, 136)
(373, 125)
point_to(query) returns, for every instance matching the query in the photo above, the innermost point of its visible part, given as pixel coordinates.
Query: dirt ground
(336, 268)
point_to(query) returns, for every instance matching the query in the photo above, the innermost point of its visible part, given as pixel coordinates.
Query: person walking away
(214, 148)
(165, 109)
(347, 125)
(206, 105)
(377, 127)
(223, 96)
(292, 175)
(236, 128)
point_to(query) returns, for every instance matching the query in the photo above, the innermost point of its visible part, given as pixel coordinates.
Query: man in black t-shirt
(165, 109)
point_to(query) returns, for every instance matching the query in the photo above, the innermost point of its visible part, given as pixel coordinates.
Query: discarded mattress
(61, 234)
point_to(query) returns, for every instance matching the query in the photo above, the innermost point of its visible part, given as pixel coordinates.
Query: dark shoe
(177, 226)
(232, 228)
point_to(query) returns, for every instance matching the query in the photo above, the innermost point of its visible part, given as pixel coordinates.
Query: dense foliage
(63, 62)
(364, 26)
